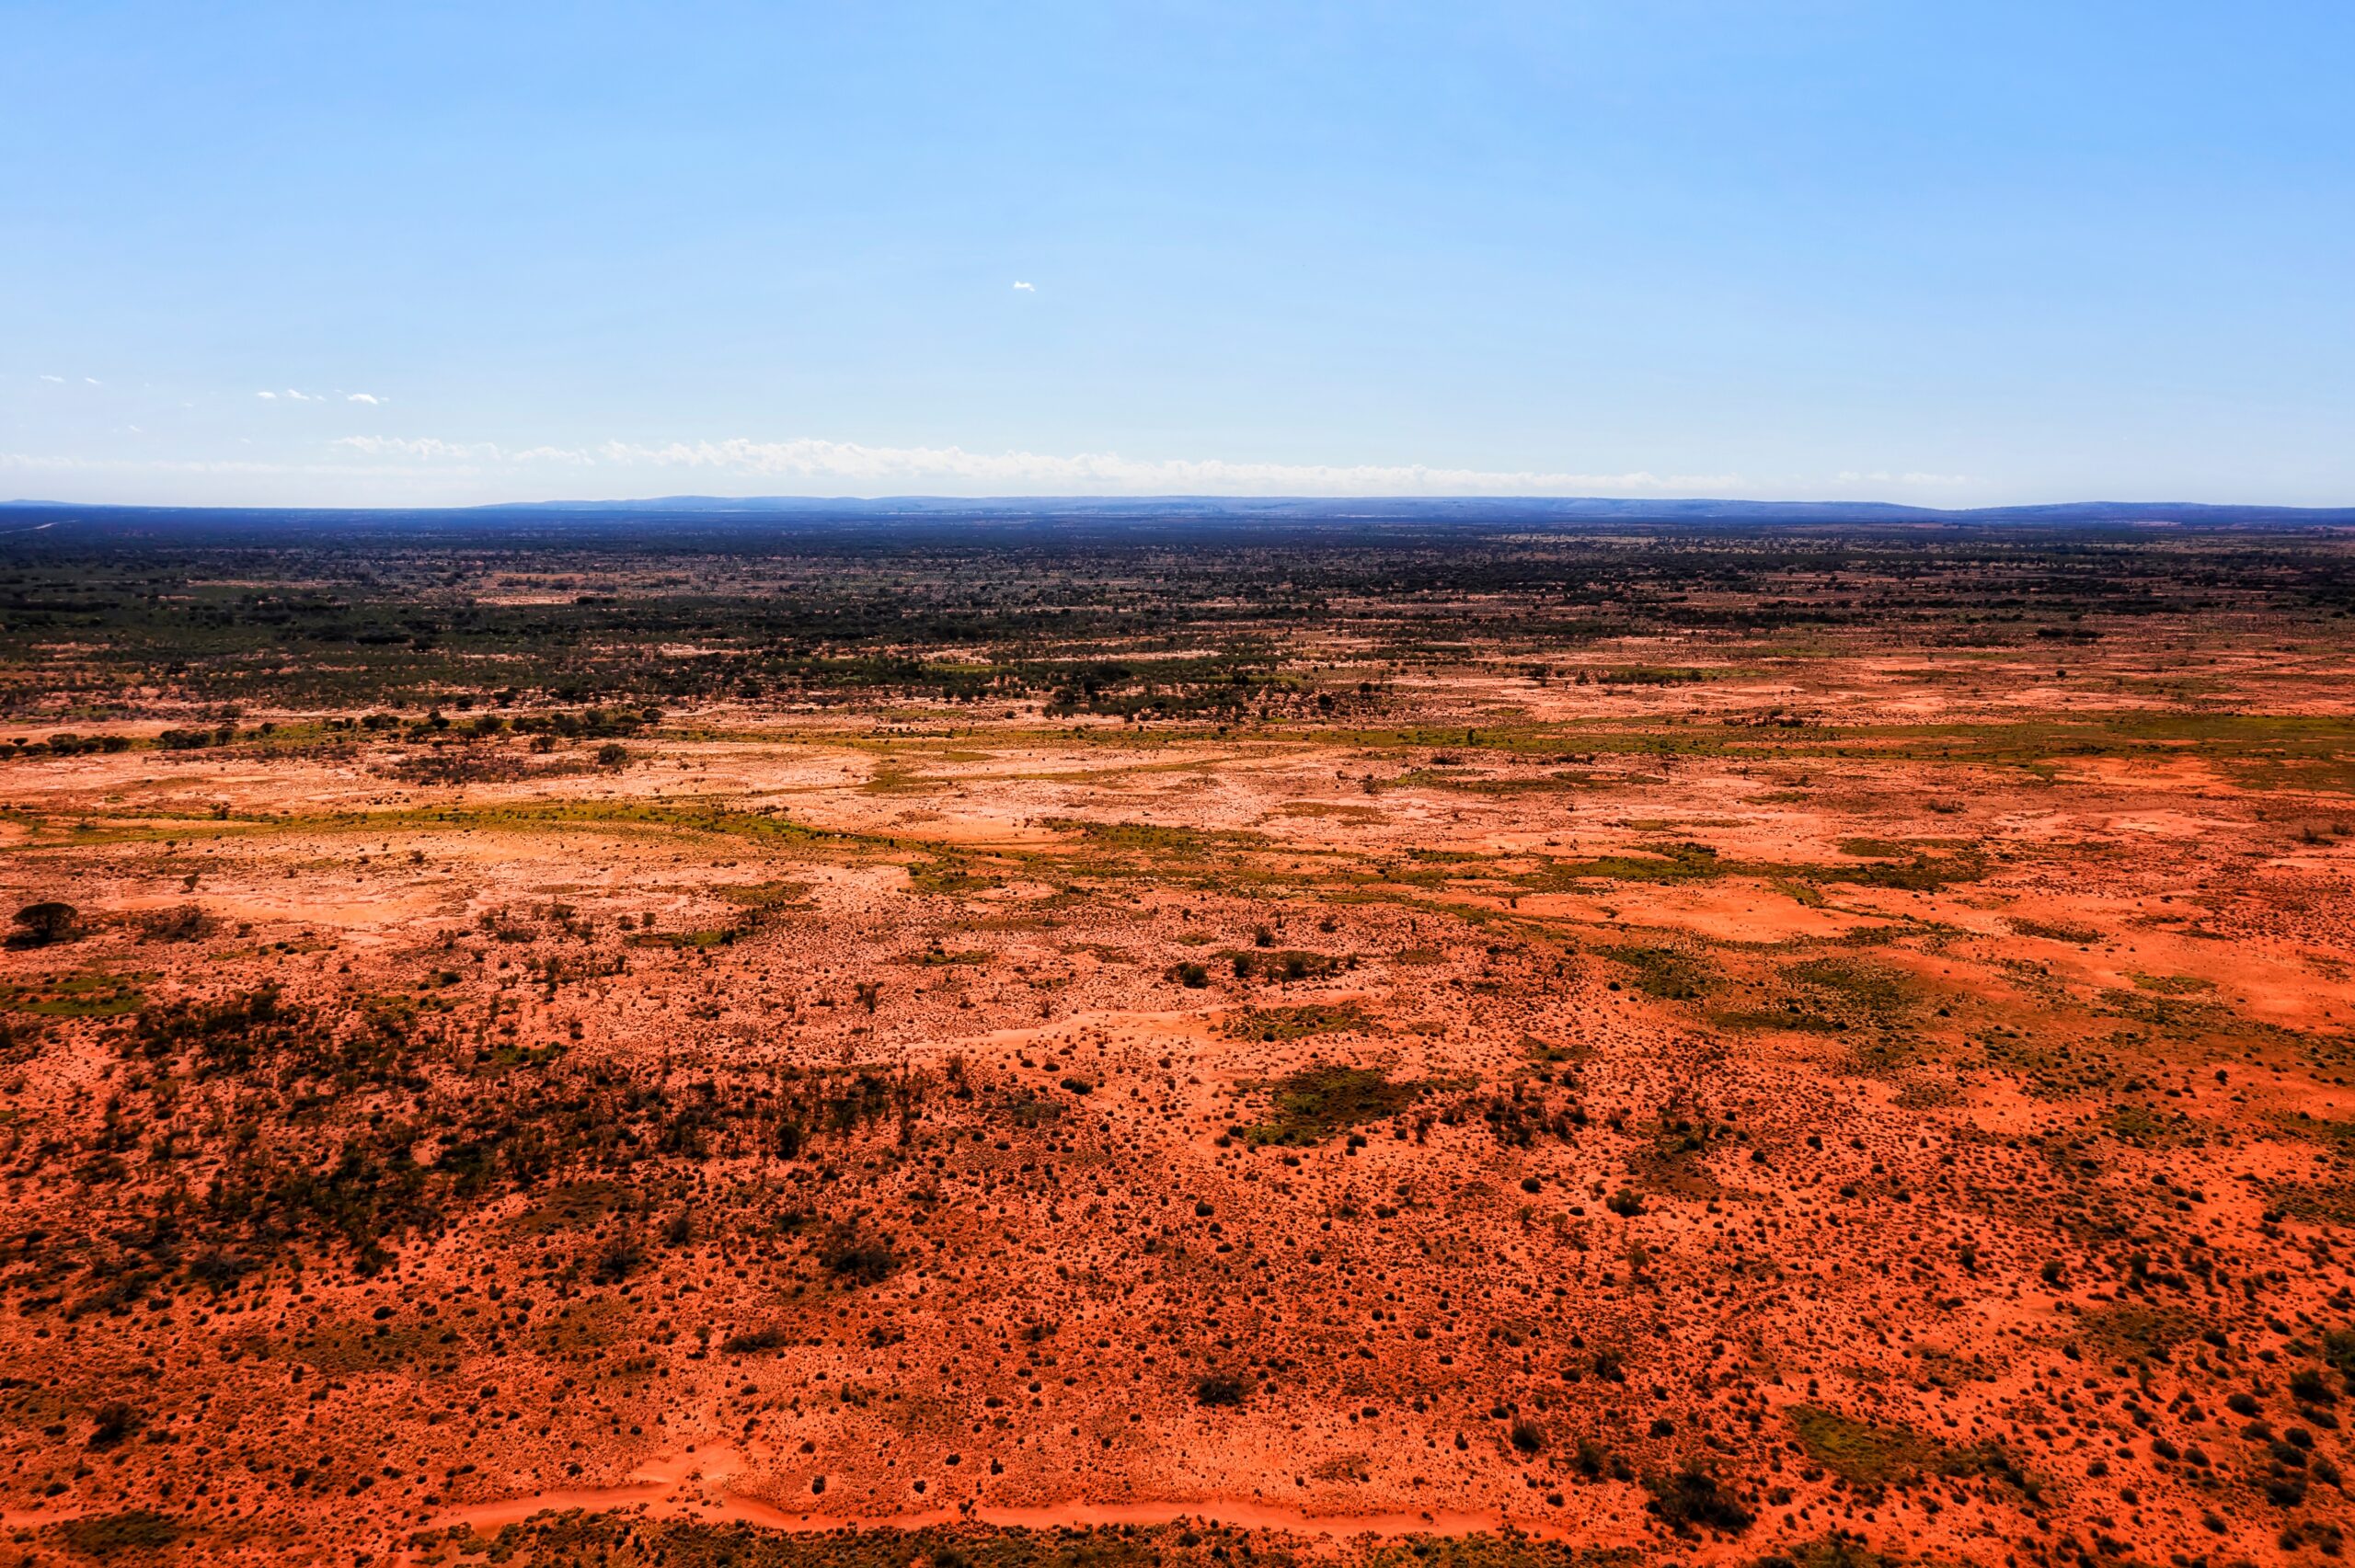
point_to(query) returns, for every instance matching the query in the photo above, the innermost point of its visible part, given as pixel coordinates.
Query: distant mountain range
(1322, 514)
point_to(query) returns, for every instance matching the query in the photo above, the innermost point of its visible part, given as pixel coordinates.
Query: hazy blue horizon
(1791, 249)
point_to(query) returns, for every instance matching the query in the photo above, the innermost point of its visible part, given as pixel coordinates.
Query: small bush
(182, 922)
(115, 1422)
(1691, 1496)
(47, 921)
(219, 1271)
(617, 1263)
(858, 1257)
(103, 1535)
(1220, 1390)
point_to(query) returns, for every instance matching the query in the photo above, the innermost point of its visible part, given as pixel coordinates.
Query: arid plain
(1632, 1047)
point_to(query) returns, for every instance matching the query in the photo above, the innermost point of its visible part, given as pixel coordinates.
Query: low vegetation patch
(1311, 1106)
(1872, 1458)
(1285, 964)
(1872, 989)
(2054, 930)
(1859, 1452)
(1275, 1023)
(108, 1535)
(1663, 972)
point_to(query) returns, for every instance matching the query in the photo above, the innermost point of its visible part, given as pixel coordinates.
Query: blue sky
(1955, 254)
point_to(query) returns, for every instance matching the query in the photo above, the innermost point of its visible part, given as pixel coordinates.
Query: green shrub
(47, 921)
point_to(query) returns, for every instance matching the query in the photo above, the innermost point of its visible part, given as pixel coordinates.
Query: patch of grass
(2149, 1124)
(1919, 874)
(1274, 1024)
(105, 1535)
(764, 895)
(573, 1207)
(1326, 809)
(576, 1327)
(897, 778)
(1312, 1106)
(2124, 1328)
(938, 958)
(555, 1540)
(707, 937)
(1653, 675)
(1675, 863)
(1220, 1390)
(1511, 1549)
(1859, 1452)
(858, 1256)
(2169, 1013)
(91, 994)
(1870, 987)
(1831, 1552)
(1663, 971)
(2172, 985)
(1545, 1053)
(1154, 839)
(1802, 893)
(1485, 783)
(949, 876)
(2329, 1134)
(1767, 1018)
(1284, 964)
(2054, 930)
(1026, 1108)
(342, 1349)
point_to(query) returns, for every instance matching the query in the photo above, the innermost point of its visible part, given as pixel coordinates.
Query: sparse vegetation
(50, 920)
(1001, 1015)
(1313, 1104)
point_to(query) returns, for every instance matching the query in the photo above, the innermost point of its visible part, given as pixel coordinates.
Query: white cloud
(1026, 288)
(385, 469)
(413, 470)
(854, 463)
(1883, 476)
(881, 469)
(369, 398)
(58, 379)
(266, 396)
(424, 449)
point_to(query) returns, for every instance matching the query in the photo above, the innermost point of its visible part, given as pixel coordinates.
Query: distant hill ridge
(1318, 513)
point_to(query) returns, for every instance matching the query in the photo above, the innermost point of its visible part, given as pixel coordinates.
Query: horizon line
(776, 500)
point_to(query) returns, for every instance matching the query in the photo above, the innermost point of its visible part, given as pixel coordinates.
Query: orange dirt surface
(1855, 1102)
